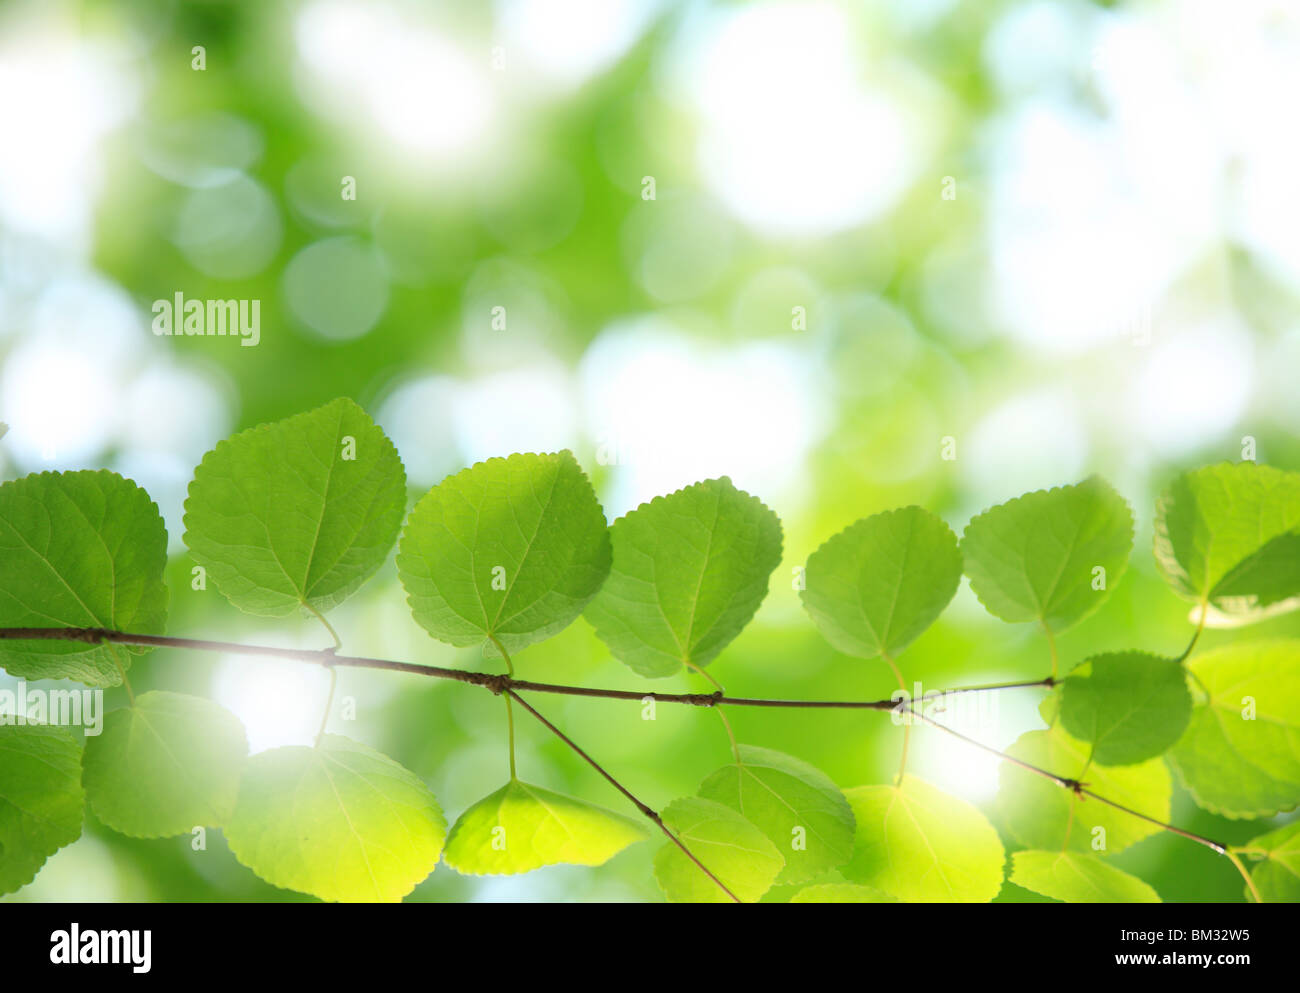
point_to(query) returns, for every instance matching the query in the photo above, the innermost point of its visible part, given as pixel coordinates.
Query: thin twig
(1074, 785)
(509, 685)
(649, 811)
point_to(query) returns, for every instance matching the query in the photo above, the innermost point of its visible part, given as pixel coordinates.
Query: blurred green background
(810, 245)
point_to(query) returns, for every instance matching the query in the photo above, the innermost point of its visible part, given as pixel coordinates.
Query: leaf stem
(338, 642)
(329, 703)
(1241, 868)
(735, 748)
(1196, 635)
(510, 715)
(907, 725)
(1051, 645)
(699, 670)
(121, 671)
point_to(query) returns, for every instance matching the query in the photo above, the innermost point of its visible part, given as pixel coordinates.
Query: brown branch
(328, 657)
(499, 684)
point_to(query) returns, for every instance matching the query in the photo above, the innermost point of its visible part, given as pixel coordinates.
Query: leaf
(1222, 536)
(339, 821)
(79, 549)
(1033, 558)
(841, 893)
(924, 846)
(689, 572)
(511, 549)
(732, 848)
(1278, 877)
(298, 513)
(164, 766)
(1240, 754)
(1132, 706)
(41, 803)
(875, 586)
(1036, 812)
(522, 827)
(1076, 878)
(791, 802)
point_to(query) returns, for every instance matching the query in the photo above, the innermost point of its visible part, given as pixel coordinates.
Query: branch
(508, 685)
(650, 812)
(496, 683)
(1073, 785)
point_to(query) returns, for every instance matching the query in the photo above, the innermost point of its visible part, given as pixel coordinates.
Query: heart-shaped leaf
(690, 570)
(1075, 878)
(79, 549)
(1051, 556)
(297, 513)
(522, 827)
(1131, 706)
(339, 821)
(875, 586)
(508, 550)
(795, 804)
(165, 765)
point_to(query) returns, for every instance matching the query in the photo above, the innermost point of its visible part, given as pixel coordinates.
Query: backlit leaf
(511, 549)
(340, 821)
(1132, 706)
(522, 827)
(164, 766)
(1224, 535)
(1240, 754)
(923, 846)
(1036, 558)
(41, 803)
(1036, 812)
(690, 570)
(795, 804)
(732, 848)
(841, 893)
(297, 513)
(875, 586)
(1075, 878)
(79, 549)
(1277, 877)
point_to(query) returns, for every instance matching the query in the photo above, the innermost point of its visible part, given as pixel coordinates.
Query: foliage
(297, 515)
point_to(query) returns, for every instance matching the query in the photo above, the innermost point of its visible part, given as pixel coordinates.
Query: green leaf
(522, 827)
(924, 846)
(164, 766)
(510, 549)
(1036, 812)
(1132, 706)
(41, 803)
(841, 893)
(1223, 536)
(298, 513)
(339, 821)
(1076, 878)
(1240, 754)
(79, 549)
(1277, 877)
(875, 586)
(794, 804)
(1033, 558)
(732, 848)
(690, 570)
